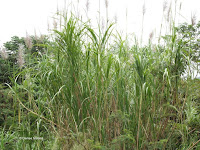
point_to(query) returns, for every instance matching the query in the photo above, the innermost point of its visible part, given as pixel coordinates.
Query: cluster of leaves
(189, 37)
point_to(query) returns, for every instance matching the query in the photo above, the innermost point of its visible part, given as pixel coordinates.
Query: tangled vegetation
(94, 90)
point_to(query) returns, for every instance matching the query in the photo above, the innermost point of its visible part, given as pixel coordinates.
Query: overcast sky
(21, 16)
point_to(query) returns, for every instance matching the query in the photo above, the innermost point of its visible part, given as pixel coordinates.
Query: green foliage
(6, 106)
(189, 37)
(87, 94)
(13, 45)
(7, 139)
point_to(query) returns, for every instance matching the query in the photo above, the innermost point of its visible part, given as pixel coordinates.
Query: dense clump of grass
(88, 95)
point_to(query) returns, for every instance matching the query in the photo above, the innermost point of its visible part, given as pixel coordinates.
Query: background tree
(33, 45)
(189, 35)
(9, 68)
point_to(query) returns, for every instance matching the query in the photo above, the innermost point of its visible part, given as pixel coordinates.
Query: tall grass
(87, 94)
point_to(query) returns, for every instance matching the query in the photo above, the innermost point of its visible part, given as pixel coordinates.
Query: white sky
(21, 16)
